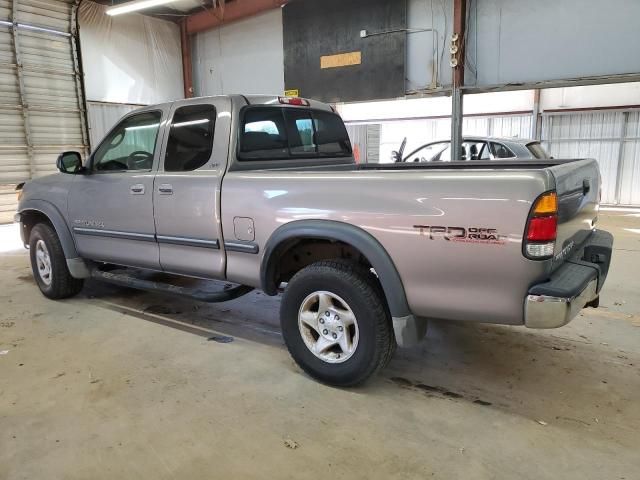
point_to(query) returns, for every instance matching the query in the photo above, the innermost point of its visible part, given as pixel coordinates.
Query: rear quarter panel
(458, 279)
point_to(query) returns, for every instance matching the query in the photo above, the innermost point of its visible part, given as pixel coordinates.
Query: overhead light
(135, 6)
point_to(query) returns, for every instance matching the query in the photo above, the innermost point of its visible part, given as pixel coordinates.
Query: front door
(186, 194)
(111, 206)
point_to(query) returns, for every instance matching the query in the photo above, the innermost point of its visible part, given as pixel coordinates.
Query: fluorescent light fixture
(135, 6)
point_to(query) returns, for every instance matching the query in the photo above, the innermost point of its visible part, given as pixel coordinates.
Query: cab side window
(475, 150)
(130, 145)
(190, 138)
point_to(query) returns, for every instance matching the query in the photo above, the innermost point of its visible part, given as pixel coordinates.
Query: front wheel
(49, 264)
(335, 323)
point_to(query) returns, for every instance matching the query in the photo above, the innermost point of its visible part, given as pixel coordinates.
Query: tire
(55, 282)
(363, 347)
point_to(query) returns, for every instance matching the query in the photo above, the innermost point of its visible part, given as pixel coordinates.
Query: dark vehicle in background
(474, 148)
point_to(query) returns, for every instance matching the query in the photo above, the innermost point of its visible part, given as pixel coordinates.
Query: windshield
(432, 152)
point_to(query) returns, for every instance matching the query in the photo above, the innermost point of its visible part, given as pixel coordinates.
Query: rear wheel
(49, 264)
(335, 323)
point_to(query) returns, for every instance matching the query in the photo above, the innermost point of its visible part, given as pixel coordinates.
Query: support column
(620, 166)
(536, 121)
(457, 65)
(187, 67)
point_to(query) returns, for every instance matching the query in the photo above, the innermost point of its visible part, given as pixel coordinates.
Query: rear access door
(186, 193)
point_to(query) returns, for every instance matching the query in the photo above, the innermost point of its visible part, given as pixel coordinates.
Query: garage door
(41, 102)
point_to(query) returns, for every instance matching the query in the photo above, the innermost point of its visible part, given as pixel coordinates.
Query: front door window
(130, 145)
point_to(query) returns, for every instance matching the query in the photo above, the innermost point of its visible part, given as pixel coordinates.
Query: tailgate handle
(586, 186)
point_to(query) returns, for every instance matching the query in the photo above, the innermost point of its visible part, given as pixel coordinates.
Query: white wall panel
(129, 58)
(515, 41)
(427, 52)
(242, 57)
(103, 116)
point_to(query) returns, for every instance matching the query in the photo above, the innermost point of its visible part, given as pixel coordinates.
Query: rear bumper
(571, 287)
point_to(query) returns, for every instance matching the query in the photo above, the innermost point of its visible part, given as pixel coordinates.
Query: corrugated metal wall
(611, 137)
(629, 185)
(365, 141)
(41, 105)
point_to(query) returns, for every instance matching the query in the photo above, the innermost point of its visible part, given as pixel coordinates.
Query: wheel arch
(283, 239)
(34, 210)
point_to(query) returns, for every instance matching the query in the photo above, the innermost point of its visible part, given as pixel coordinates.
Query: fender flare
(57, 220)
(343, 232)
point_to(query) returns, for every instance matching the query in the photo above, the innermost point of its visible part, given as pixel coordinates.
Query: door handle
(165, 189)
(137, 189)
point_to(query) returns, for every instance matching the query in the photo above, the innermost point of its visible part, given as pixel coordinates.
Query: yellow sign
(341, 60)
(292, 93)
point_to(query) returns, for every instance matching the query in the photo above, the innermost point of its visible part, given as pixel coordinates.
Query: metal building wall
(611, 137)
(41, 105)
(365, 141)
(373, 143)
(629, 183)
(520, 41)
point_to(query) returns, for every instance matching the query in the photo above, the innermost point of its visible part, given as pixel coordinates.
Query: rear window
(537, 151)
(273, 133)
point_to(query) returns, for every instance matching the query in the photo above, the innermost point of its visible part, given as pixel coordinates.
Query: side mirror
(69, 162)
(395, 156)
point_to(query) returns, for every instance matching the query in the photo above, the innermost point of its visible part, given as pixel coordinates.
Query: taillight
(294, 101)
(542, 227)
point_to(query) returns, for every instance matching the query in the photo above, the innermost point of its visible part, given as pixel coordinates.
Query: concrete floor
(102, 386)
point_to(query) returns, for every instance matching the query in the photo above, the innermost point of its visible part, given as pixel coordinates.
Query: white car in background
(474, 148)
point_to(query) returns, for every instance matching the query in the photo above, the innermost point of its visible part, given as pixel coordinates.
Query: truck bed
(469, 165)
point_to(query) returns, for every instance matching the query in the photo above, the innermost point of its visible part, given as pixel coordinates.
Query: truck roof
(254, 99)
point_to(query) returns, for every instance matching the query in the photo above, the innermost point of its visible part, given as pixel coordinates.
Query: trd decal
(90, 223)
(462, 234)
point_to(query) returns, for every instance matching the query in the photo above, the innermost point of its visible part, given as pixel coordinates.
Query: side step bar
(126, 280)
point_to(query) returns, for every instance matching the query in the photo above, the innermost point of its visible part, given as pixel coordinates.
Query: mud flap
(409, 330)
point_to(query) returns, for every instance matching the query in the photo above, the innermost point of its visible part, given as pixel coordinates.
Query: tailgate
(578, 189)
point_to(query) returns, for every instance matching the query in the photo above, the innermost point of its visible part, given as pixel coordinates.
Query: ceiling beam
(229, 12)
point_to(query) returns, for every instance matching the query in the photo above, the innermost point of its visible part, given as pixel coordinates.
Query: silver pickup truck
(263, 192)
